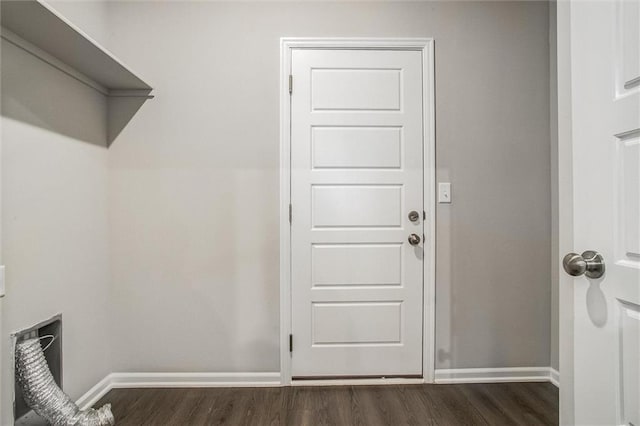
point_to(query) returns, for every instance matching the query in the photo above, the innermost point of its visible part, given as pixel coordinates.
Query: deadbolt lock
(414, 216)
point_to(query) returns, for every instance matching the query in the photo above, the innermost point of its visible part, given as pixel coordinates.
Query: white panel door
(356, 173)
(605, 41)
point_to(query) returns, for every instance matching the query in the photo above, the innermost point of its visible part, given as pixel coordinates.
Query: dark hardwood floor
(465, 404)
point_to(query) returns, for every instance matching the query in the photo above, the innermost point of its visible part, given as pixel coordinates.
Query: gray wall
(89, 15)
(54, 216)
(149, 230)
(193, 179)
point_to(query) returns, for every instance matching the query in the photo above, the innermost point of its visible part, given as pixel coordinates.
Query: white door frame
(565, 211)
(426, 46)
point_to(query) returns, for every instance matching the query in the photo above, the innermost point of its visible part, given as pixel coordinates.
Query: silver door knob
(414, 216)
(414, 239)
(590, 263)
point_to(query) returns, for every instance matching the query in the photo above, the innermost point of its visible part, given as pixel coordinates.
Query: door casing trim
(426, 46)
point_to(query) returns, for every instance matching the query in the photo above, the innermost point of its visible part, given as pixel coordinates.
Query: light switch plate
(444, 193)
(2, 286)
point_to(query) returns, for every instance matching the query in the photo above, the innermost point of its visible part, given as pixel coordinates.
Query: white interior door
(2, 289)
(605, 62)
(356, 174)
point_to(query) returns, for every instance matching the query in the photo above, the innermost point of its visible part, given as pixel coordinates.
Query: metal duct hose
(43, 395)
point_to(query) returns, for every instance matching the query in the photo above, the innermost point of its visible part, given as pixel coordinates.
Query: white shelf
(39, 29)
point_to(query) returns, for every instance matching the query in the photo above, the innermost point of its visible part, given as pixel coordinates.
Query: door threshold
(356, 381)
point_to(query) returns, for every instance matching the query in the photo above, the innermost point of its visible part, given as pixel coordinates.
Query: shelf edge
(91, 40)
(54, 62)
(51, 60)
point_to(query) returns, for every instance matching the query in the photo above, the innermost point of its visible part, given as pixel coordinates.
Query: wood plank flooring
(464, 404)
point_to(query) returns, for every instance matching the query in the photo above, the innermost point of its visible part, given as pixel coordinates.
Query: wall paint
(198, 166)
(54, 216)
(193, 179)
(88, 15)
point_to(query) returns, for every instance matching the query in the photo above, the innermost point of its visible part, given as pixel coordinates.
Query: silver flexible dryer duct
(43, 395)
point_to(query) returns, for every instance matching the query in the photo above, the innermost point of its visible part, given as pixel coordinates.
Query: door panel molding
(426, 47)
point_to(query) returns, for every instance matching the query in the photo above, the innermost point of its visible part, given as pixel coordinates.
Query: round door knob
(414, 239)
(590, 263)
(414, 216)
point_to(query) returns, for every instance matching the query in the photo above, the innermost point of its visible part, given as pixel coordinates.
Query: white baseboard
(495, 375)
(230, 380)
(193, 380)
(176, 380)
(95, 393)
(554, 376)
